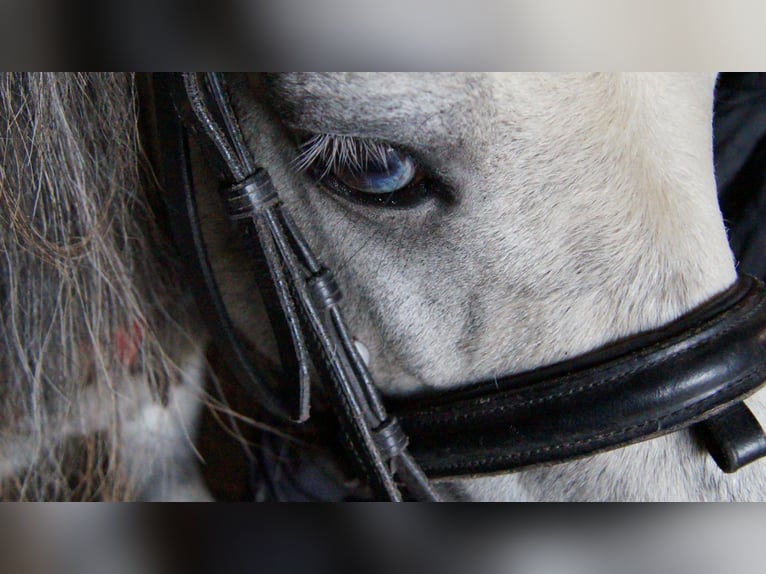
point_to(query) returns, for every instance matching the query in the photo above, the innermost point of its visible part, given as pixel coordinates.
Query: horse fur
(582, 209)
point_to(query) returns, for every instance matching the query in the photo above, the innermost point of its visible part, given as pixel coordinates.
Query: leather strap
(307, 293)
(691, 370)
(177, 180)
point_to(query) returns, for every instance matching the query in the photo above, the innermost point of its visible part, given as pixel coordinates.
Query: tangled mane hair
(85, 276)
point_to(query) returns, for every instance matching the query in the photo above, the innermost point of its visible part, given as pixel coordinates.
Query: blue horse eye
(380, 176)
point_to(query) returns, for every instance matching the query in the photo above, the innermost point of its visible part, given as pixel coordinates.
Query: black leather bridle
(694, 372)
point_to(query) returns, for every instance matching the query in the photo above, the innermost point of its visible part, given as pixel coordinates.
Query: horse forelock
(85, 282)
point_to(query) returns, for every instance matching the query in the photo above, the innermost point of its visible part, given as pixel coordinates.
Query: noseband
(694, 372)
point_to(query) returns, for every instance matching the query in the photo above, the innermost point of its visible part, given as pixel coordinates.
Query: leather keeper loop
(324, 289)
(733, 437)
(253, 195)
(390, 438)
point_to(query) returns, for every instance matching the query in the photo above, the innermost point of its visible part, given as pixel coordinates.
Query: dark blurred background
(740, 152)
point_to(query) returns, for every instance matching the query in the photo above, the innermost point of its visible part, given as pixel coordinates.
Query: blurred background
(694, 35)
(107, 539)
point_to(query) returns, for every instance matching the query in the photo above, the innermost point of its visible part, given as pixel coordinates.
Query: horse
(521, 220)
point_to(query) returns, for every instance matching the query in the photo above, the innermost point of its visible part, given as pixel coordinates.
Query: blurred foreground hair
(92, 323)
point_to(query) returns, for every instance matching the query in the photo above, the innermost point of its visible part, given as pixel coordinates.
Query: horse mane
(93, 321)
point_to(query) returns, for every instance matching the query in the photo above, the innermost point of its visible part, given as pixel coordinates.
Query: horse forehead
(394, 94)
(457, 115)
(433, 109)
(430, 90)
(406, 106)
(425, 89)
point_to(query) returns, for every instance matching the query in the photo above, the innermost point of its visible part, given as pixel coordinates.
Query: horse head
(488, 224)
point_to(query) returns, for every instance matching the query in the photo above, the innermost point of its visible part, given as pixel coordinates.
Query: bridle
(307, 319)
(694, 372)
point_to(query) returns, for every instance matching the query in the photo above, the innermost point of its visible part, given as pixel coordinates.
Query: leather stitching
(480, 411)
(742, 381)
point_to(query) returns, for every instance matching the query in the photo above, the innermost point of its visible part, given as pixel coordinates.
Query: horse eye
(384, 175)
(366, 171)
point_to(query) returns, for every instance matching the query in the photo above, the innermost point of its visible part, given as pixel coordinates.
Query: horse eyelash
(339, 152)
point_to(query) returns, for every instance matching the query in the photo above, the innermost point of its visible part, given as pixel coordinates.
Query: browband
(692, 372)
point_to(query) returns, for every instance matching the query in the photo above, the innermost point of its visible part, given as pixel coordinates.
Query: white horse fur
(584, 210)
